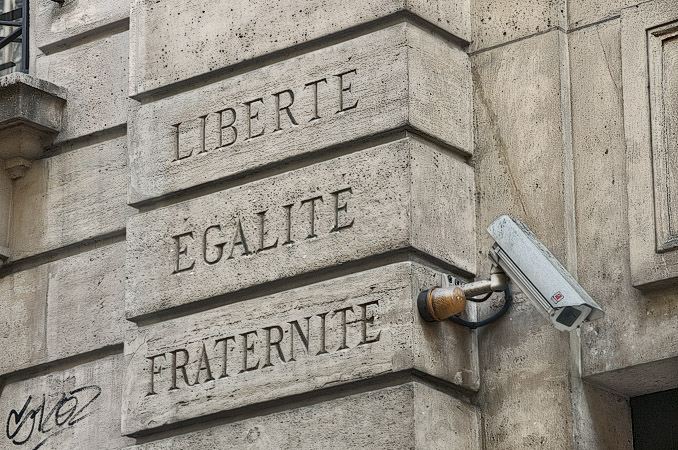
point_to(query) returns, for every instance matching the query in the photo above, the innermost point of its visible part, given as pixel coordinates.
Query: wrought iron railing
(13, 32)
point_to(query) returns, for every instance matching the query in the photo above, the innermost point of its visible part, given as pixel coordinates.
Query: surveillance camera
(540, 276)
(520, 256)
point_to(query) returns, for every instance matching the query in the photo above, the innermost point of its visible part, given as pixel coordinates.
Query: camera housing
(540, 276)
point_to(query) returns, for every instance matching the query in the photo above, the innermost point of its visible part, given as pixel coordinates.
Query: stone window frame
(653, 243)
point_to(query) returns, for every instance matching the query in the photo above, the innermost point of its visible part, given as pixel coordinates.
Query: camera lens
(568, 316)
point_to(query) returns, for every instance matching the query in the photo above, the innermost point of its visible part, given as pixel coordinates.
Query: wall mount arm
(445, 302)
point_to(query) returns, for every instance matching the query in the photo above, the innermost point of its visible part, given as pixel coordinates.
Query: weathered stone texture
(586, 12)
(303, 171)
(518, 140)
(5, 205)
(373, 202)
(75, 408)
(498, 22)
(599, 150)
(398, 77)
(70, 197)
(85, 302)
(177, 41)
(408, 416)
(318, 336)
(64, 308)
(23, 314)
(519, 155)
(95, 76)
(59, 25)
(602, 419)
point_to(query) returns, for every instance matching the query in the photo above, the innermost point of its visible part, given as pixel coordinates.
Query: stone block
(23, 312)
(60, 25)
(408, 416)
(95, 76)
(85, 302)
(5, 211)
(70, 197)
(364, 204)
(318, 336)
(173, 42)
(649, 51)
(60, 309)
(73, 408)
(498, 22)
(398, 77)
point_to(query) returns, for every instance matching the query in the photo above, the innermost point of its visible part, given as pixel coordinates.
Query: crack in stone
(499, 140)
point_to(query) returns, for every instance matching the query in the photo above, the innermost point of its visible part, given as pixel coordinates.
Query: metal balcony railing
(13, 36)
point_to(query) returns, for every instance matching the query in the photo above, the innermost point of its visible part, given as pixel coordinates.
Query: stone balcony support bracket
(31, 113)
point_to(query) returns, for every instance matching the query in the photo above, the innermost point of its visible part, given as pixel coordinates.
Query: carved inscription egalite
(367, 204)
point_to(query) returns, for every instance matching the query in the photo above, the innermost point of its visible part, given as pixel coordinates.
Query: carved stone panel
(315, 337)
(374, 203)
(650, 85)
(663, 69)
(321, 101)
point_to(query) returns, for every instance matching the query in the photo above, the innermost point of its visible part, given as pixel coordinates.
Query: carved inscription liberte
(225, 356)
(255, 117)
(219, 241)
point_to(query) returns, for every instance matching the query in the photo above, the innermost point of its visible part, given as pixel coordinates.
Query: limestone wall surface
(223, 243)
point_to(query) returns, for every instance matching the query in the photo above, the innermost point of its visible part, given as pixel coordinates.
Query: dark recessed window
(13, 36)
(655, 421)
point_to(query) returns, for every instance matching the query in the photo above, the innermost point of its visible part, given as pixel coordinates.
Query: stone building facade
(216, 216)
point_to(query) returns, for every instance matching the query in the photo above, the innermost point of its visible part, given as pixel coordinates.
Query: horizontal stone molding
(407, 416)
(650, 58)
(173, 42)
(657, 375)
(314, 337)
(399, 77)
(60, 25)
(396, 196)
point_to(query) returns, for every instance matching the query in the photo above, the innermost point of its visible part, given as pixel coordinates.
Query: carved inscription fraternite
(250, 350)
(314, 337)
